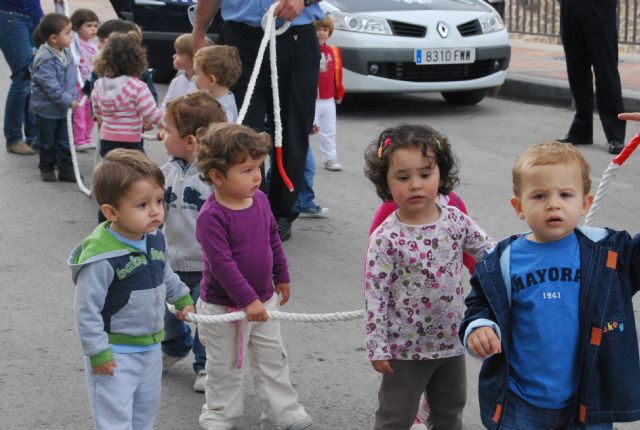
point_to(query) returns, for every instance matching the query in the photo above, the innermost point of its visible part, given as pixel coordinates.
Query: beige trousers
(263, 347)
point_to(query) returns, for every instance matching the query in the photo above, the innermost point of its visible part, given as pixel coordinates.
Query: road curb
(546, 91)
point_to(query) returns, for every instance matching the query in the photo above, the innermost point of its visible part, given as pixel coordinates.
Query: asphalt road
(42, 382)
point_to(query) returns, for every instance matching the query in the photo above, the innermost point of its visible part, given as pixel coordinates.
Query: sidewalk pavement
(537, 74)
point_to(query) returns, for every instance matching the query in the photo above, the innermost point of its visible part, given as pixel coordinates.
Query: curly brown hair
(223, 145)
(118, 171)
(123, 55)
(221, 61)
(378, 156)
(193, 111)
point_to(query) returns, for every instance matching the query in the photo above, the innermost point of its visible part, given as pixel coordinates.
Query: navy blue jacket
(608, 362)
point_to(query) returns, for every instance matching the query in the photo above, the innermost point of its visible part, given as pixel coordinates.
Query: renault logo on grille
(443, 29)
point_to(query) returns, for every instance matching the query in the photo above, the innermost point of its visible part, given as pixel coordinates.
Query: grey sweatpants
(444, 380)
(129, 399)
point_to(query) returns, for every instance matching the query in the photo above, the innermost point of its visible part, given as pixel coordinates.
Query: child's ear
(212, 79)
(109, 212)
(587, 201)
(216, 176)
(192, 142)
(517, 206)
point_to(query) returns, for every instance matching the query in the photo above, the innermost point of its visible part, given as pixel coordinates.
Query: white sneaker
(333, 165)
(200, 382)
(85, 146)
(315, 212)
(168, 361)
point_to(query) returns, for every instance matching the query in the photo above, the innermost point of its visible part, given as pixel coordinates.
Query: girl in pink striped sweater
(122, 103)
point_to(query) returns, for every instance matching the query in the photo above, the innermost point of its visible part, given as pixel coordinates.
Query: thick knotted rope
(278, 315)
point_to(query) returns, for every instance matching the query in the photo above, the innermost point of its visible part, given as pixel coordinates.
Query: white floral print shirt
(414, 300)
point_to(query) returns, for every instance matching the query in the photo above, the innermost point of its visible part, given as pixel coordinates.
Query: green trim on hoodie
(100, 241)
(183, 301)
(142, 340)
(101, 357)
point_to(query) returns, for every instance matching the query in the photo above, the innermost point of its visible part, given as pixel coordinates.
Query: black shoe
(66, 176)
(48, 176)
(576, 140)
(615, 146)
(284, 228)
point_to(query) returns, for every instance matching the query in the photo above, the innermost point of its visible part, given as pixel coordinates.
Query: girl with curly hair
(414, 299)
(121, 102)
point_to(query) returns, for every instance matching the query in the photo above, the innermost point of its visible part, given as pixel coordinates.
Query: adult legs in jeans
(399, 395)
(17, 46)
(306, 197)
(54, 145)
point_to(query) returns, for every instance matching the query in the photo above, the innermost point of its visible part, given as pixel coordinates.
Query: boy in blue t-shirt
(550, 310)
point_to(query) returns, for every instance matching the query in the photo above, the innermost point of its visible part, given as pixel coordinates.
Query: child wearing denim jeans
(122, 281)
(185, 193)
(551, 312)
(413, 279)
(53, 93)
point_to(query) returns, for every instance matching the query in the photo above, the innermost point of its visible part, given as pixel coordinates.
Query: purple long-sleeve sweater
(242, 253)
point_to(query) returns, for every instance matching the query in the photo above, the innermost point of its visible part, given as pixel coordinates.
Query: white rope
(278, 315)
(607, 177)
(270, 32)
(72, 148)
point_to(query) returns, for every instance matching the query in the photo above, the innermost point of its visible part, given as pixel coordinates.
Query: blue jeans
(178, 340)
(521, 415)
(16, 43)
(306, 197)
(53, 139)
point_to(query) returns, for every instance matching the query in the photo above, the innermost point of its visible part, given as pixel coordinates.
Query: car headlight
(360, 23)
(491, 22)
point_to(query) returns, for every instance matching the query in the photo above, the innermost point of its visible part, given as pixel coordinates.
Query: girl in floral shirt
(414, 297)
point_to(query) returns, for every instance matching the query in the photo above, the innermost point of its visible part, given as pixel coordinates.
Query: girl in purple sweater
(244, 265)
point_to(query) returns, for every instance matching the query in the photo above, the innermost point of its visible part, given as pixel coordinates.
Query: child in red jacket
(330, 93)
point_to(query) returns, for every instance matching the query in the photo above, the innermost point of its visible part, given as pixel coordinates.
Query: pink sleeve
(383, 211)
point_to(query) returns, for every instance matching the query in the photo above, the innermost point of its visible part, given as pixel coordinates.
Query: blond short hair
(118, 171)
(221, 61)
(184, 45)
(549, 153)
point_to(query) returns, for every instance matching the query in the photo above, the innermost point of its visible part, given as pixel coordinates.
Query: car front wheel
(464, 98)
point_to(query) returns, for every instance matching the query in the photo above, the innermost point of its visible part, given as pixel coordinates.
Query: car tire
(163, 76)
(464, 98)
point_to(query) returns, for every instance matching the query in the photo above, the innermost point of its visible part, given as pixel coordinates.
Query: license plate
(445, 56)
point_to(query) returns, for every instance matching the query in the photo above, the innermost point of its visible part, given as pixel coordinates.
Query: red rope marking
(283, 173)
(628, 149)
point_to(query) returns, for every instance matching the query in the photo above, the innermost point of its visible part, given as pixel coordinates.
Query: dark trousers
(298, 55)
(54, 144)
(444, 380)
(107, 146)
(589, 37)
